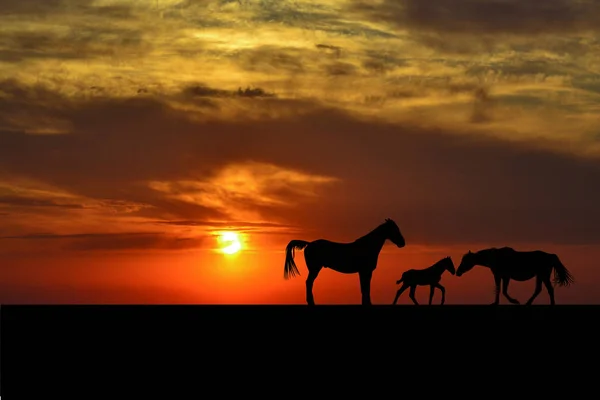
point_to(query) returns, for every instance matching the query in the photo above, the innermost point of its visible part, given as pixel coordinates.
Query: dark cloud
(48, 8)
(340, 68)
(78, 42)
(270, 59)
(201, 91)
(225, 224)
(117, 241)
(467, 27)
(18, 201)
(39, 7)
(485, 16)
(440, 186)
(382, 62)
(335, 49)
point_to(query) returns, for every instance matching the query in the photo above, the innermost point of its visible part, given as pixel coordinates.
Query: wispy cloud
(237, 186)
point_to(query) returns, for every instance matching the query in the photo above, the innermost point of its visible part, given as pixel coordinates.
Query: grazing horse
(359, 257)
(425, 277)
(507, 263)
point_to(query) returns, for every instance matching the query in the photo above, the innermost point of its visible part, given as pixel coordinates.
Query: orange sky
(125, 145)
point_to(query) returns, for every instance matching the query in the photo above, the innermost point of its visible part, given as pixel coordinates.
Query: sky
(126, 145)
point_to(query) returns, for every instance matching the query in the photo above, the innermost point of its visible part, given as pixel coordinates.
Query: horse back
(530, 256)
(421, 277)
(328, 244)
(342, 257)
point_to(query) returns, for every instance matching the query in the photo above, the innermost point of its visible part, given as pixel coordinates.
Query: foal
(425, 277)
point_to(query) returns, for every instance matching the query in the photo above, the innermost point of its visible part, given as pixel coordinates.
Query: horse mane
(494, 252)
(373, 231)
(438, 262)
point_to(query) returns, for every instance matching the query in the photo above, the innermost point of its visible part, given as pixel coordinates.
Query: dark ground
(102, 347)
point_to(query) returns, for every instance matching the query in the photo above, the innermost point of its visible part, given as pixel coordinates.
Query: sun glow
(230, 243)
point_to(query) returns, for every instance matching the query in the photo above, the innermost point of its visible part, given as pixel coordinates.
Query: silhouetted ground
(209, 319)
(75, 343)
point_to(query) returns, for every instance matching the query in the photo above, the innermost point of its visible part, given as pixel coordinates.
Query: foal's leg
(365, 286)
(497, 280)
(443, 290)
(313, 272)
(536, 292)
(431, 290)
(505, 283)
(399, 292)
(549, 288)
(411, 294)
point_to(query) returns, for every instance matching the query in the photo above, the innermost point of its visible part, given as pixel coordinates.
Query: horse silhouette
(359, 257)
(507, 263)
(430, 276)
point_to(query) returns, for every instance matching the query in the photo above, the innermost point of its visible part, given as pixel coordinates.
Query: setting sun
(230, 242)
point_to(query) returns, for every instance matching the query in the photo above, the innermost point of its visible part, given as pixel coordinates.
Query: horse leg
(399, 292)
(365, 286)
(431, 290)
(497, 280)
(549, 288)
(411, 294)
(310, 280)
(505, 283)
(443, 290)
(538, 289)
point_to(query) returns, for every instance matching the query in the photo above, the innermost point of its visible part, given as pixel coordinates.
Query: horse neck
(375, 237)
(439, 268)
(484, 259)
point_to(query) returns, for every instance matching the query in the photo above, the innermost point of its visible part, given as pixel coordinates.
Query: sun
(230, 242)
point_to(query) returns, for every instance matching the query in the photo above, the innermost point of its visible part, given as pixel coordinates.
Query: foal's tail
(562, 276)
(290, 269)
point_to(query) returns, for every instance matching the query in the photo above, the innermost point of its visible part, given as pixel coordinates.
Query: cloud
(242, 227)
(349, 118)
(240, 186)
(319, 169)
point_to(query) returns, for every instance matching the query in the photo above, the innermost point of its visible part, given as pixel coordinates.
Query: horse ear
(470, 252)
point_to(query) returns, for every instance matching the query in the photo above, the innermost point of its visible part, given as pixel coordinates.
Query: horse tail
(290, 269)
(562, 276)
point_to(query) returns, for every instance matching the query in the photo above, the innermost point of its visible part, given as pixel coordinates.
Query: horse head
(393, 233)
(468, 261)
(450, 265)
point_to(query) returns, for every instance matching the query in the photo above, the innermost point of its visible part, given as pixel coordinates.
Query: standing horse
(507, 263)
(359, 257)
(425, 277)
